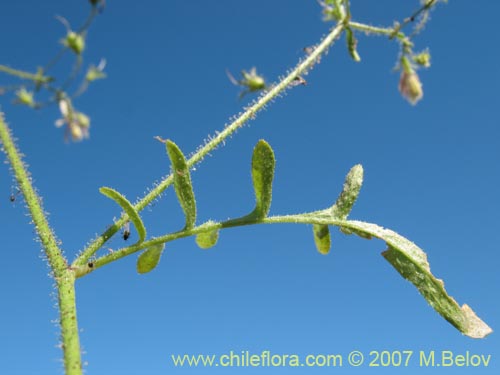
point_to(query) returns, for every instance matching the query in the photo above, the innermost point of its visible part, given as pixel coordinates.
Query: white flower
(77, 123)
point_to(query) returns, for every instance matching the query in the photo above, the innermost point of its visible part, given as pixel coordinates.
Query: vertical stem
(64, 276)
(50, 245)
(69, 323)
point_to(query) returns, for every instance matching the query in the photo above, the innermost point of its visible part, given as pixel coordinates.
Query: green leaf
(182, 183)
(132, 214)
(206, 240)
(411, 262)
(149, 259)
(263, 163)
(322, 238)
(352, 185)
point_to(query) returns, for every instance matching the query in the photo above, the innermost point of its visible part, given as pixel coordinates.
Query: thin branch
(35, 77)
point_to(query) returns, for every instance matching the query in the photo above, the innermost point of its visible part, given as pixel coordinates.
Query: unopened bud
(25, 97)
(423, 59)
(82, 119)
(77, 133)
(410, 87)
(93, 74)
(253, 81)
(75, 41)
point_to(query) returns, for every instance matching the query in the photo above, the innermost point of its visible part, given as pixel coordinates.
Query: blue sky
(431, 174)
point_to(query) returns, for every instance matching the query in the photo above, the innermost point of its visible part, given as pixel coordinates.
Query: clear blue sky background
(431, 173)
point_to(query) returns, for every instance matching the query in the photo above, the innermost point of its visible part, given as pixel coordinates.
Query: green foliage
(411, 262)
(352, 185)
(263, 163)
(131, 212)
(206, 240)
(413, 266)
(322, 238)
(182, 183)
(407, 258)
(149, 259)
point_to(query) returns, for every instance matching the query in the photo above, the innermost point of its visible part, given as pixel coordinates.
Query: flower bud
(82, 119)
(75, 41)
(253, 81)
(410, 87)
(76, 132)
(25, 97)
(93, 74)
(423, 59)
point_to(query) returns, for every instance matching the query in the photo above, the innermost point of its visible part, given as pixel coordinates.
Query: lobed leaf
(128, 208)
(263, 163)
(322, 238)
(149, 259)
(182, 183)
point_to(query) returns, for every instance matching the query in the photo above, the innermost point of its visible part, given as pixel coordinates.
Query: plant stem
(389, 31)
(56, 260)
(69, 323)
(18, 73)
(220, 137)
(64, 277)
(206, 227)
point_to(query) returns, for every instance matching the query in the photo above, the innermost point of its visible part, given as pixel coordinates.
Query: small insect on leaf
(149, 259)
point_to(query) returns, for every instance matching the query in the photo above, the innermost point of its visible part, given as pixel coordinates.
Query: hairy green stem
(56, 260)
(69, 323)
(64, 277)
(249, 114)
(389, 31)
(83, 270)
